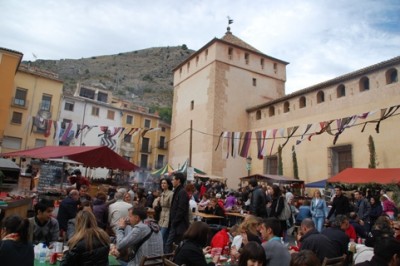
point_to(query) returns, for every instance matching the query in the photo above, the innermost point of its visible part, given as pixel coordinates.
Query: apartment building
(9, 63)
(34, 105)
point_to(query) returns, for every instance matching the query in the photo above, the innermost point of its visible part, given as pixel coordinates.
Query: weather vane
(230, 21)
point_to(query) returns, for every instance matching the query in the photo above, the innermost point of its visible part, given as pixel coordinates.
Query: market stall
(383, 176)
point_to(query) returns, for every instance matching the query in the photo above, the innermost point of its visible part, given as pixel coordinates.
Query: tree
(295, 166)
(372, 153)
(280, 163)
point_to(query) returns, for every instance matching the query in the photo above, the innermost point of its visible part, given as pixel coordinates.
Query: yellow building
(145, 137)
(35, 102)
(9, 62)
(229, 86)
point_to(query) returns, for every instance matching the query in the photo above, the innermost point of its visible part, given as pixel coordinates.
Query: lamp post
(248, 165)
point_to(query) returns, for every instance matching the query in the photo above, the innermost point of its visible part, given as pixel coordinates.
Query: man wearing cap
(78, 179)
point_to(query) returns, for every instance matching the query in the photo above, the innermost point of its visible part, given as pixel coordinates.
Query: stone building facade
(229, 86)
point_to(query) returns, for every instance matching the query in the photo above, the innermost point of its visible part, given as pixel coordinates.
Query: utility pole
(190, 143)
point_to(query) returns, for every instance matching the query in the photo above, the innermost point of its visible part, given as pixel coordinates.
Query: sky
(320, 39)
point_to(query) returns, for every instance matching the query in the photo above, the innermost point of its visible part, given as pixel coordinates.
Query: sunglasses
(396, 228)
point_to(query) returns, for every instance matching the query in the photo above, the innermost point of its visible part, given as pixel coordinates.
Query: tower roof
(230, 38)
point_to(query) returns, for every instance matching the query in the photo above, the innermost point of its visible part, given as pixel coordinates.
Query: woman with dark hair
(304, 258)
(89, 245)
(252, 254)
(190, 251)
(140, 198)
(165, 205)
(14, 246)
(277, 205)
(100, 210)
(376, 210)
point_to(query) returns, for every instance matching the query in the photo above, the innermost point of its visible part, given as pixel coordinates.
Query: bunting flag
(304, 133)
(236, 142)
(219, 139)
(261, 139)
(290, 132)
(47, 130)
(273, 142)
(130, 133)
(342, 124)
(228, 144)
(122, 131)
(66, 132)
(109, 142)
(103, 129)
(246, 144)
(385, 113)
(324, 126)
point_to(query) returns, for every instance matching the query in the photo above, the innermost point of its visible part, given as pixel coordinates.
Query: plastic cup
(216, 252)
(58, 247)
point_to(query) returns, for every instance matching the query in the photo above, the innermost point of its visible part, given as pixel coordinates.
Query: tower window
(258, 115)
(302, 102)
(391, 76)
(320, 97)
(286, 107)
(271, 111)
(341, 91)
(191, 105)
(254, 82)
(262, 63)
(364, 84)
(246, 58)
(230, 52)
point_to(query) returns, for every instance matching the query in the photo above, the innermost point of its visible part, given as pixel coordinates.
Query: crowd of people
(273, 229)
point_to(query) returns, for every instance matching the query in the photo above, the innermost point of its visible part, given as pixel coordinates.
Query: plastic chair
(337, 261)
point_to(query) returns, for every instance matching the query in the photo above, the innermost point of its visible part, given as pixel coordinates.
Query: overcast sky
(321, 39)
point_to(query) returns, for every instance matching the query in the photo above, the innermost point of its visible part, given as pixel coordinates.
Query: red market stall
(384, 176)
(89, 156)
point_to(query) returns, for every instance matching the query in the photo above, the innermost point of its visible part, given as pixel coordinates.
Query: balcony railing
(162, 145)
(146, 149)
(20, 103)
(45, 107)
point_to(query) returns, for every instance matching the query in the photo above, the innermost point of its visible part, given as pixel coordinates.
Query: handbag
(129, 253)
(286, 213)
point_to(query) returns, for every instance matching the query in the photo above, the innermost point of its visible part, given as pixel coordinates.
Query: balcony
(19, 103)
(162, 146)
(45, 106)
(128, 147)
(146, 149)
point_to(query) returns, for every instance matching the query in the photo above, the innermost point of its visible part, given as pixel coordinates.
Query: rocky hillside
(144, 76)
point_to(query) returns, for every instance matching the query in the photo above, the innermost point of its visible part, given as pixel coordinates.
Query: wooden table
(207, 217)
(234, 217)
(112, 261)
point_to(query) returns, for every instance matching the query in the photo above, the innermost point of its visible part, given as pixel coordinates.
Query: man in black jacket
(336, 233)
(258, 201)
(318, 243)
(179, 213)
(340, 204)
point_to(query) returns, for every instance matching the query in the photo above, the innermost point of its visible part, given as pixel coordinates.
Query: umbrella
(316, 184)
(164, 170)
(183, 169)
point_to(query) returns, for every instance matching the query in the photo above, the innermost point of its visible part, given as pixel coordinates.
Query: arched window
(320, 97)
(271, 111)
(286, 107)
(391, 76)
(341, 91)
(258, 115)
(364, 84)
(302, 102)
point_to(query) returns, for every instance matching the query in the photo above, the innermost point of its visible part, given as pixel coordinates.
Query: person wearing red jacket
(220, 239)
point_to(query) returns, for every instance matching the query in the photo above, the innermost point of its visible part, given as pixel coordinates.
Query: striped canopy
(183, 169)
(165, 170)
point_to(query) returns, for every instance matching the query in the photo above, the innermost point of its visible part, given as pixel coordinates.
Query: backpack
(286, 212)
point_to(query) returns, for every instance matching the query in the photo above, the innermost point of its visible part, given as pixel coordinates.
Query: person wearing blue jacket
(319, 210)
